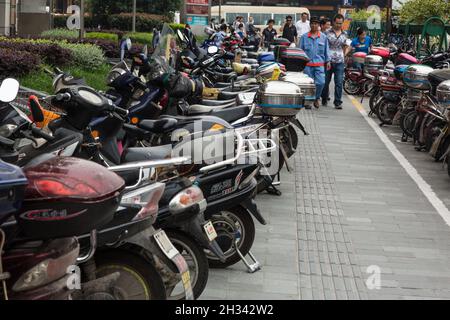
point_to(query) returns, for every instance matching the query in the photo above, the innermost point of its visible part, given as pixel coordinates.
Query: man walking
(339, 48)
(315, 45)
(289, 31)
(302, 25)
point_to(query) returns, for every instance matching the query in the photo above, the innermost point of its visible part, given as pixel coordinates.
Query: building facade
(316, 7)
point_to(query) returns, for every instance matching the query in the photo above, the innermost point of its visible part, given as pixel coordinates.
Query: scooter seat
(227, 77)
(231, 114)
(252, 55)
(249, 61)
(200, 108)
(228, 95)
(218, 103)
(146, 154)
(158, 126)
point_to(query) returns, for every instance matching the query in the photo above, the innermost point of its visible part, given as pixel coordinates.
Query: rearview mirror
(213, 50)
(145, 51)
(9, 90)
(129, 44)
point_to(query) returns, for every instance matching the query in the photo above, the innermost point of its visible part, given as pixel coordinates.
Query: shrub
(17, 63)
(50, 53)
(140, 37)
(84, 55)
(60, 33)
(177, 26)
(102, 36)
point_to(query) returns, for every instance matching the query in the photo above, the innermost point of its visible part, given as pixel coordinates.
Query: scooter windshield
(163, 61)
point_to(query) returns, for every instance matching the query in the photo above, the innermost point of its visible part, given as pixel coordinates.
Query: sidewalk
(349, 205)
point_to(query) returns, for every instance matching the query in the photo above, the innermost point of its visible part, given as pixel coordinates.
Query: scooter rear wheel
(195, 258)
(139, 279)
(245, 226)
(351, 88)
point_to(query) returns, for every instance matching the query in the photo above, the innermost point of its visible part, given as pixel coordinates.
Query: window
(280, 18)
(230, 17)
(261, 18)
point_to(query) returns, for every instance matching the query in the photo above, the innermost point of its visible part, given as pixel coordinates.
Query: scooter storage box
(416, 77)
(382, 52)
(406, 59)
(12, 187)
(266, 57)
(280, 98)
(295, 59)
(277, 51)
(373, 63)
(359, 57)
(281, 41)
(437, 77)
(265, 71)
(306, 84)
(399, 71)
(68, 196)
(443, 94)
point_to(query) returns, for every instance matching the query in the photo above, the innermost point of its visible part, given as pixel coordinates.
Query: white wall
(5, 15)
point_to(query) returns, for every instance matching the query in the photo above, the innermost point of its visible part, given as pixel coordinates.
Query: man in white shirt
(303, 25)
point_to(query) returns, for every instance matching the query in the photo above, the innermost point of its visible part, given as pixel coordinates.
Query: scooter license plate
(210, 231)
(165, 244)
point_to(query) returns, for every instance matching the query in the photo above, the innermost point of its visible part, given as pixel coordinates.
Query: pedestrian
(315, 45)
(269, 33)
(289, 30)
(241, 31)
(302, 25)
(339, 47)
(213, 25)
(221, 35)
(362, 42)
(236, 23)
(250, 26)
(325, 25)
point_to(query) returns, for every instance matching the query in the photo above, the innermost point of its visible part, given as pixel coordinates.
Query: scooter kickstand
(251, 268)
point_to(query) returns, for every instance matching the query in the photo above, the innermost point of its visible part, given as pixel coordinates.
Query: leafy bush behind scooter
(15, 63)
(84, 55)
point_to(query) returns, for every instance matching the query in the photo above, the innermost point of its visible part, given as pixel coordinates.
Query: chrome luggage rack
(244, 147)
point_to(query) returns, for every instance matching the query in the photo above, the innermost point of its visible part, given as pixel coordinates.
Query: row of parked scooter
(135, 193)
(409, 92)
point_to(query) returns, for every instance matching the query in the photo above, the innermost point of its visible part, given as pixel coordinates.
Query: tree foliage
(419, 11)
(108, 7)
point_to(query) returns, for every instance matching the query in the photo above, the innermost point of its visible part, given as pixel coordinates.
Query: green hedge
(124, 22)
(102, 35)
(84, 55)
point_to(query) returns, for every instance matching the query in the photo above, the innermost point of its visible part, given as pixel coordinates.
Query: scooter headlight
(187, 199)
(47, 271)
(148, 198)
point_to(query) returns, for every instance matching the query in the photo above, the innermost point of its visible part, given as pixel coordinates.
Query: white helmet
(209, 31)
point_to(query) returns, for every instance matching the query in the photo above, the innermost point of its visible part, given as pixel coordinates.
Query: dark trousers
(337, 69)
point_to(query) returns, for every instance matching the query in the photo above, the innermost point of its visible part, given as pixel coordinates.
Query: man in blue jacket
(315, 45)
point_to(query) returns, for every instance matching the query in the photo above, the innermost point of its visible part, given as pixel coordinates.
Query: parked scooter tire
(408, 121)
(131, 267)
(372, 101)
(199, 279)
(224, 235)
(384, 112)
(351, 88)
